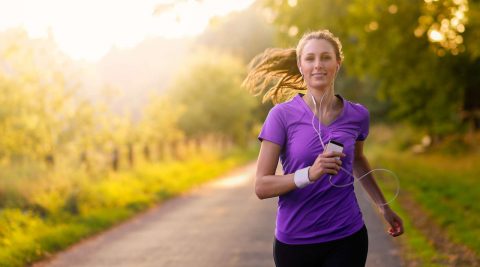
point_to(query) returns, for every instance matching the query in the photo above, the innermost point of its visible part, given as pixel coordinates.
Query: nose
(318, 64)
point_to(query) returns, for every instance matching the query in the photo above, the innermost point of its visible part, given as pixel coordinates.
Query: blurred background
(102, 102)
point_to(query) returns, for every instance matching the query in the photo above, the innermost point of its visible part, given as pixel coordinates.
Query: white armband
(301, 177)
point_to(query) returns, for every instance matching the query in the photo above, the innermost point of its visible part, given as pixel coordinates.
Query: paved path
(220, 224)
(381, 249)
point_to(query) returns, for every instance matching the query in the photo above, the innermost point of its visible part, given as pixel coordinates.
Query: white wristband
(301, 177)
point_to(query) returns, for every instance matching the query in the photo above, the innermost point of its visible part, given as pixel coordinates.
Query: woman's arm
(268, 185)
(360, 167)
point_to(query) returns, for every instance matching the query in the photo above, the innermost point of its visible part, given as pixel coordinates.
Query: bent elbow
(260, 192)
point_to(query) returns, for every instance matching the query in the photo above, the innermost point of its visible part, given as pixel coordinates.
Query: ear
(299, 68)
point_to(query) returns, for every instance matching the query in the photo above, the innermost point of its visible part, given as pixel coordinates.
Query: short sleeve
(274, 129)
(364, 125)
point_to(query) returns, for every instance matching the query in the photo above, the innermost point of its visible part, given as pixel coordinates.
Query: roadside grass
(444, 187)
(66, 209)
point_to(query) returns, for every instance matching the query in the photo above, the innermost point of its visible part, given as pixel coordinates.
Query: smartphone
(334, 146)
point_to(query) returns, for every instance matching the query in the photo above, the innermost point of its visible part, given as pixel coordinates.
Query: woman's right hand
(325, 163)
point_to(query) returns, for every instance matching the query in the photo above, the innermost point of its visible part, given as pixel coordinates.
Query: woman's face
(318, 63)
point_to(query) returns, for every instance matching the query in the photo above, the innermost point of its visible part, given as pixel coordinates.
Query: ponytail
(276, 73)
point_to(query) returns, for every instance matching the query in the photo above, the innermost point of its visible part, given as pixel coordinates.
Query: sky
(87, 29)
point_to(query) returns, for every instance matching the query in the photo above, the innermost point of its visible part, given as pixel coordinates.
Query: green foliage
(160, 121)
(57, 147)
(40, 112)
(422, 81)
(244, 34)
(443, 186)
(26, 235)
(209, 90)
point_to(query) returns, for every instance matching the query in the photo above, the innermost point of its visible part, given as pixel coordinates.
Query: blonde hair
(276, 71)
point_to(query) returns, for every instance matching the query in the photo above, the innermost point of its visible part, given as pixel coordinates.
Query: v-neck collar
(307, 108)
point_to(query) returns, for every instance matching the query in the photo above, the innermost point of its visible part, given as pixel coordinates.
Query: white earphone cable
(397, 191)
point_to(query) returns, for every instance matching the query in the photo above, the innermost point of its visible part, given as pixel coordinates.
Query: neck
(325, 99)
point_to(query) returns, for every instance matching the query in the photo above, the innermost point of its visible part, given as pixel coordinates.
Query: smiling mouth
(319, 74)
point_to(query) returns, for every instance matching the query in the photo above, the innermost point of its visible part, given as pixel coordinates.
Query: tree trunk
(115, 159)
(130, 154)
(146, 153)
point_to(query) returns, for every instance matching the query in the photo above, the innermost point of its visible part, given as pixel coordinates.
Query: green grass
(67, 209)
(417, 247)
(444, 186)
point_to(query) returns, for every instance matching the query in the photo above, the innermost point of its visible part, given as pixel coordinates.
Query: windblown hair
(275, 71)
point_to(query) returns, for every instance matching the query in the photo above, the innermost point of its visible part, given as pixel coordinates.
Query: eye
(309, 58)
(326, 57)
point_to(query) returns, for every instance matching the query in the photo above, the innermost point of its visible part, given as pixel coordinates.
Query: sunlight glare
(436, 36)
(88, 29)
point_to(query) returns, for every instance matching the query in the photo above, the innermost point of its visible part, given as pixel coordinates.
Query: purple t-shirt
(318, 212)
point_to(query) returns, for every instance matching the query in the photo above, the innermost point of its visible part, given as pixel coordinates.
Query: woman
(319, 222)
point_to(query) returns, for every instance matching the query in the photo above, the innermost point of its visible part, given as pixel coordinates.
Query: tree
(421, 69)
(209, 90)
(37, 99)
(159, 125)
(244, 34)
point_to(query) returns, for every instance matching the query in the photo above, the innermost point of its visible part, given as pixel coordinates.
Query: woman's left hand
(394, 220)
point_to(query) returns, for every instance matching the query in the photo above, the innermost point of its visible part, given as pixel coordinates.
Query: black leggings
(350, 251)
